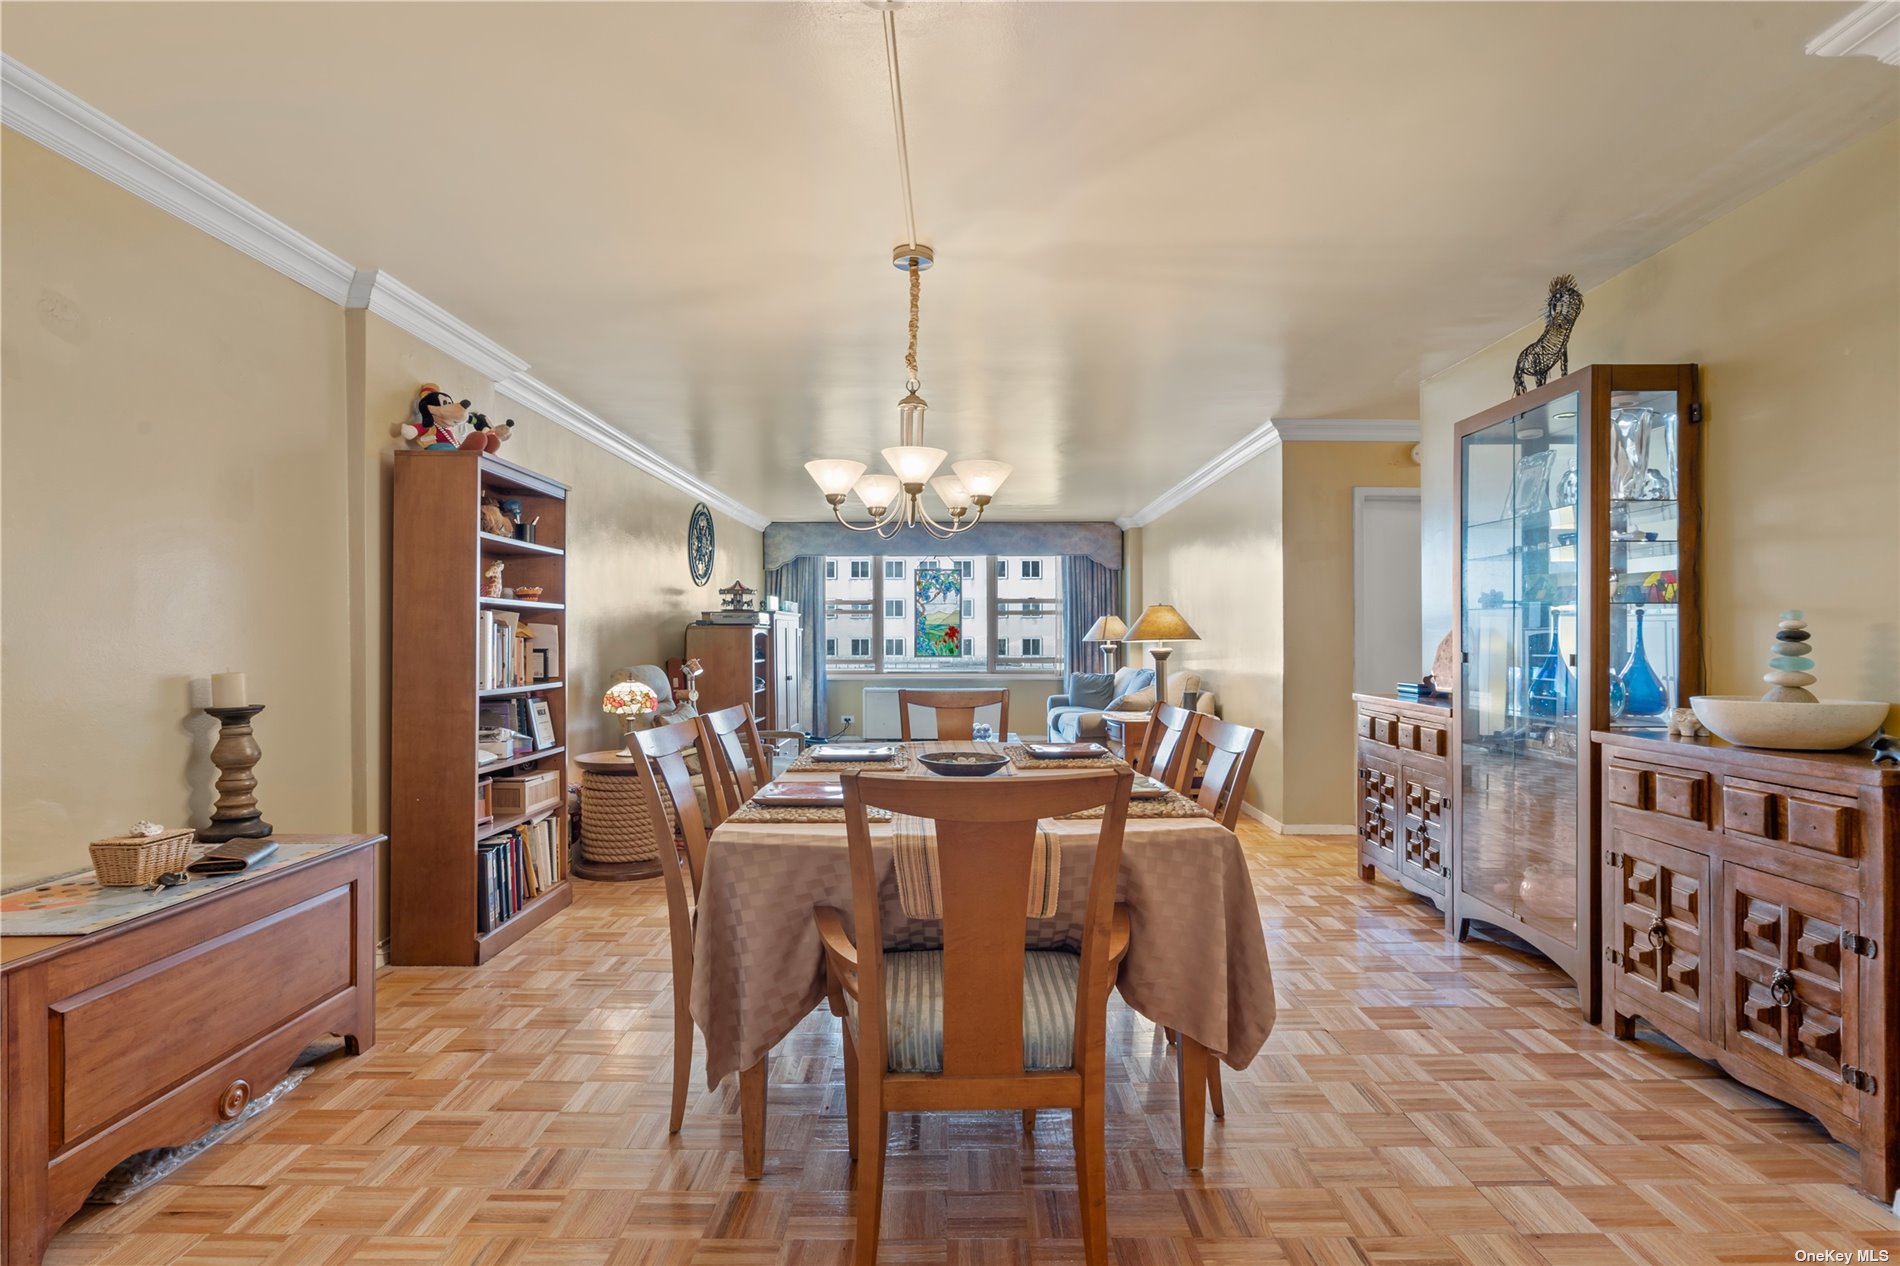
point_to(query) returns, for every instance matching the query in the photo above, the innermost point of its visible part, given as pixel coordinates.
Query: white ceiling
(1158, 224)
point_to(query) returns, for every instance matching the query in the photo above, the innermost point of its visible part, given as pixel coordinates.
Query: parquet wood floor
(1421, 1103)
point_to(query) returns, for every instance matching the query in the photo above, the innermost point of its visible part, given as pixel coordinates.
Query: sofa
(1076, 713)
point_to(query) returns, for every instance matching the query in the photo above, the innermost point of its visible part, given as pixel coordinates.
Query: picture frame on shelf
(543, 716)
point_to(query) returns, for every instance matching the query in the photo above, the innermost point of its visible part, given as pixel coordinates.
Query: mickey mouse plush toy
(437, 422)
(484, 435)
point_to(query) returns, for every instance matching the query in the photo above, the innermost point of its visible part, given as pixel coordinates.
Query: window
(937, 614)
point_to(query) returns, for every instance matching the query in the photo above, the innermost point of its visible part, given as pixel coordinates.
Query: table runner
(1197, 957)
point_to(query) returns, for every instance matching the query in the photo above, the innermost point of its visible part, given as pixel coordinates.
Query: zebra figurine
(1552, 347)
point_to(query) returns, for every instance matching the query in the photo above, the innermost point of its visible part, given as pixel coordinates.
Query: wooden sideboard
(152, 1031)
(1405, 792)
(1748, 912)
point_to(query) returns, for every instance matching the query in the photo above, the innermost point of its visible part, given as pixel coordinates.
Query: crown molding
(1260, 440)
(1348, 430)
(42, 111)
(531, 393)
(378, 292)
(1872, 30)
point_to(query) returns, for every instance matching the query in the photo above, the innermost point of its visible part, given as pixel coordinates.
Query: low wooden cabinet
(1750, 917)
(1404, 793)
(151, 1032)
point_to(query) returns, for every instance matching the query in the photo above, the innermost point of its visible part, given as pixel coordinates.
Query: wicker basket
(132, 861)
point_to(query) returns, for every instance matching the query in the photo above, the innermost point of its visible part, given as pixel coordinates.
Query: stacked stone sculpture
(1789, 674)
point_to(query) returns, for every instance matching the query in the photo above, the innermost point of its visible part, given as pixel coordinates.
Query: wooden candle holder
(236, 754)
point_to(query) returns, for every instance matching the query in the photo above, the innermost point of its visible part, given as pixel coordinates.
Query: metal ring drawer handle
(1658, 933)
(1782, 987)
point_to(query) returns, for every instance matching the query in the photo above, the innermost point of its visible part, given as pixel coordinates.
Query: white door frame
(1360, 496)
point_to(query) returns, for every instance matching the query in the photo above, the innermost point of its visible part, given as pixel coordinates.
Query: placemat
(807, 762)
(1019, 756)
(1172, 805)
(785, 813)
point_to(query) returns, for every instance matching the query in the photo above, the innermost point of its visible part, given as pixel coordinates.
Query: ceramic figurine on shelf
(1682, 722)
(491, 580)
(1789, 668)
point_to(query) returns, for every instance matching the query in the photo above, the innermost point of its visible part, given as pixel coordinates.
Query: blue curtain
(1089, 592)
(802, 580)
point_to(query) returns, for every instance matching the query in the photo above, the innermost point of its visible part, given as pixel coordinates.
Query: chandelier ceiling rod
(897, 122)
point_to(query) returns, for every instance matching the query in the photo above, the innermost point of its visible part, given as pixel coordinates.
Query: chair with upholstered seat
(955, 709)
(740, 757)
(1168, 750)
(665, 751)
(983, 1023)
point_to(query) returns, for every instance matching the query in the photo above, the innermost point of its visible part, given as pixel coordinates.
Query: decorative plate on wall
(699, 544)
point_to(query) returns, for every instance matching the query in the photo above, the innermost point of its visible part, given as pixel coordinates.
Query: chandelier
(896, 501)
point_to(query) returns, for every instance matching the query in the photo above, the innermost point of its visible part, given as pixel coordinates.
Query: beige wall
(1217, 558)
(174, 505)
(196, 455)
(1320, 746)
(1791, 305)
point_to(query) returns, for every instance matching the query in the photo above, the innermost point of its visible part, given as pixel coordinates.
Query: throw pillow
(1091, 690)
(1142, 700)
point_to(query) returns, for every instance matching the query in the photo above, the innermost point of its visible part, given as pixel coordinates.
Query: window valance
(1099, 541)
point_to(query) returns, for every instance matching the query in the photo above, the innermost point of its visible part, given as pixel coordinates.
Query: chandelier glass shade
(896, 501)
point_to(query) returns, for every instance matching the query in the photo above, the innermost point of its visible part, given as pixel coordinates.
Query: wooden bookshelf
(439, 555)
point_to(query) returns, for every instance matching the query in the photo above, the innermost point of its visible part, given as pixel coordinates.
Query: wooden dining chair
(1231, 751)
(665, 751)
(737, 761)
(983, 1023)
(1168, 751)
(955, 709)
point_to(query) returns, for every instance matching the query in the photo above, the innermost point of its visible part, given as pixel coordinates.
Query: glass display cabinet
(1579, 506)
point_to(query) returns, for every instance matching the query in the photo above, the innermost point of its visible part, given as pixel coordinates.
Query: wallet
(233, 856)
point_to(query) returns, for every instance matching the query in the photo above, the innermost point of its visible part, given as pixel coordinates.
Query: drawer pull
(1658, 933)
(236, 1097)
(1782, 987)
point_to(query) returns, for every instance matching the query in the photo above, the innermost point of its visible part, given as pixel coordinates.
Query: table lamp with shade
(1108, 631)
(1161, 624)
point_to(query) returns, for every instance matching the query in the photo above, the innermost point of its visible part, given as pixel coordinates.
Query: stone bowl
(1824, 726)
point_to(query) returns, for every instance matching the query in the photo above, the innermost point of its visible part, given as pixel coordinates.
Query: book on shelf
(506, 651)
(513, 721)
(514, 868)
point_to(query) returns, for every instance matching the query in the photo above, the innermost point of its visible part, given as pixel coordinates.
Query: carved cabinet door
(1659, 931)
(1790, 987)
(1379, 808)
(1422, 813)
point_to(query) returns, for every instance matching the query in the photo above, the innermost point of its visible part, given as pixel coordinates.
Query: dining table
(1196, 962)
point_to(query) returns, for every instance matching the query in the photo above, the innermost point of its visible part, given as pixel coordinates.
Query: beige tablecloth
(1197, 958)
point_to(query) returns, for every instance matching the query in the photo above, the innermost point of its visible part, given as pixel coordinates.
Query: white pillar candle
(227, 690)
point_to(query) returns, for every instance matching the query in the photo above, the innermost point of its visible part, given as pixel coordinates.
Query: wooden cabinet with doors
(1749, 916)
(1404, 792)
(756, 664)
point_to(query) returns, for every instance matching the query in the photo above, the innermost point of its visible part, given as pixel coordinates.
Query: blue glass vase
(1642, 687)
(1553, 686)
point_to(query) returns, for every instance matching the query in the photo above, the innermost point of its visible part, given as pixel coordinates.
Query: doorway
(1385, 589)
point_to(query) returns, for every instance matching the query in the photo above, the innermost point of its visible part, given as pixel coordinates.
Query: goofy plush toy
(438, 422)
